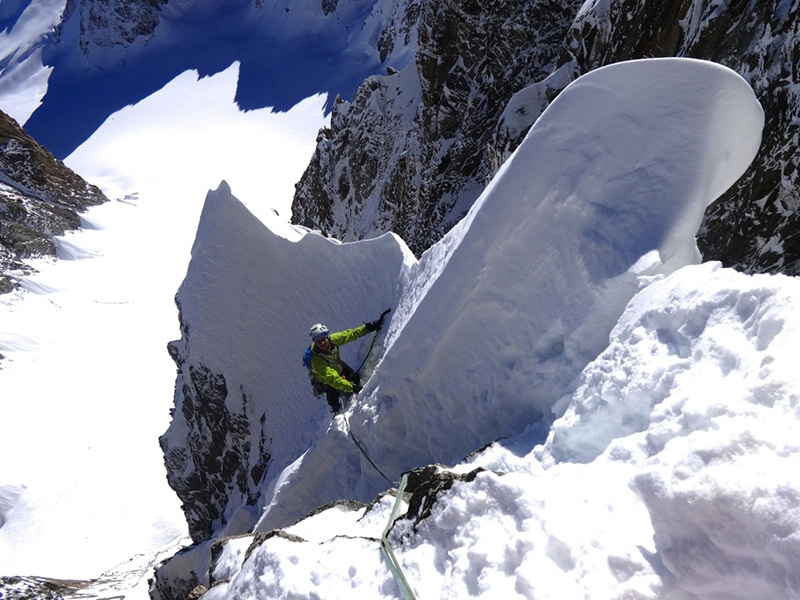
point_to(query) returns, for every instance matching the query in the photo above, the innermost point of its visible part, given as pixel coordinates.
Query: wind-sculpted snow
(669, 477)
(500, 317)
(244, 409)
(694, 407)
(490, 330)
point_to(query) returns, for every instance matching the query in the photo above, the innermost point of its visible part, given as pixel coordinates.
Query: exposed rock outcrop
(39, 198)
(106, 24)
(754, 225)
(408, 154)
(414, 159)
(209, 459)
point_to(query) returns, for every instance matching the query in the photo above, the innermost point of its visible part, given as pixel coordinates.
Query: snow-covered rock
(419, 179)
(694, 497)
(239, 420)
(91, 58)
(490, 328)
(40, 198)
(410, 153)
(754, 225)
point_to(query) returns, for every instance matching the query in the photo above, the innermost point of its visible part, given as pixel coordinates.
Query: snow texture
(499, 318)
(568, 294)
(86, 383)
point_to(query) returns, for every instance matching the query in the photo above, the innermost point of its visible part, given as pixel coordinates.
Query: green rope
(394, 565)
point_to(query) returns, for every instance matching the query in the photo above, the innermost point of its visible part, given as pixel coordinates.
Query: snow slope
(65, 67)
(23, 75)
(491, 331)
(694, 497)
(499, 318)
(87, 383)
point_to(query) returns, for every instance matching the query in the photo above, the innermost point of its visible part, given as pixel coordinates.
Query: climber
(329, 372)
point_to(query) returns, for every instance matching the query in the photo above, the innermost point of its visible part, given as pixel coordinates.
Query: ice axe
(379, 321)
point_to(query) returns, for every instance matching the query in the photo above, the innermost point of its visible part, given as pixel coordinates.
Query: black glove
(356, 388)
(376, 325)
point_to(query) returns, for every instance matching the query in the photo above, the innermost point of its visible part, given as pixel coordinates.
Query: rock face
(39, 198)
(409, 153)
(754, 226)
(103, 24)
(415, 148)
(207, 462)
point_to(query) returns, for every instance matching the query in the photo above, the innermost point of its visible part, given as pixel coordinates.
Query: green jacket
(327, 368)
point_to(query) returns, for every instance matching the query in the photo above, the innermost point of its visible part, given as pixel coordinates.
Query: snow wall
(490, 329)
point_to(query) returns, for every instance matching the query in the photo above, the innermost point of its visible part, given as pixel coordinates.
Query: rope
(394, 565)
(386, 549)
(361, 366)
(375, 337)
(364, 452)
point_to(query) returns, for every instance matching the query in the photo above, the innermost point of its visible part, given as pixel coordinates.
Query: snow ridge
(492, 327)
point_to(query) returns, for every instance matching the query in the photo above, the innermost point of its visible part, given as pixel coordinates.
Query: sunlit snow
(567, 294)
(568, 288)
(87, 382)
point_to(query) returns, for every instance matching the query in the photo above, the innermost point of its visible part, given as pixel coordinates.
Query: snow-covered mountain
(86, 383)
(581, 410)
(93, 58)
(432, 135)
(413, 149)
(500, 332)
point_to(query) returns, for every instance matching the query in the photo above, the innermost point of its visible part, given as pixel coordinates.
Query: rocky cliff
(414, 149)
(103, 25)
(39, 198)
(410, 153)
(754, 226)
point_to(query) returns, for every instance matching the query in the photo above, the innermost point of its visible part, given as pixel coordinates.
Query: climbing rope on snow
(386, 548)
(361, 366)
(361, 448)
(388, 553)
(374, 337)
(364, 452)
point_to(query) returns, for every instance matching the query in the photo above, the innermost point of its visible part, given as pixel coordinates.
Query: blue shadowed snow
(277, 69)
(10, 12)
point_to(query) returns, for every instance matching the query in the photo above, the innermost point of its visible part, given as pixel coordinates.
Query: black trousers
(333, 395)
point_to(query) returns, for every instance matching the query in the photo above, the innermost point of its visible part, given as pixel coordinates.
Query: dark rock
(425, 485)
(40, 588)
(753, 226)
(415, 158)
(40, 198)
(413, 161)
(215, 457)
(174, 586)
